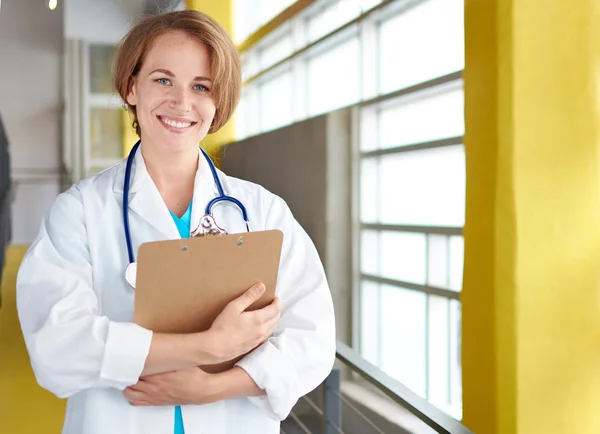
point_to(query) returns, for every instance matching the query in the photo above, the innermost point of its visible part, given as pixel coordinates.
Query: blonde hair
(225, 63)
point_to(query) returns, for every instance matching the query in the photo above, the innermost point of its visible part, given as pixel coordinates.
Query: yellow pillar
(531, 296)
(222, 12)
(130, 137)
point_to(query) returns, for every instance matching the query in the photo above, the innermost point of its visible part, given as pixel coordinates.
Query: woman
(180, 76)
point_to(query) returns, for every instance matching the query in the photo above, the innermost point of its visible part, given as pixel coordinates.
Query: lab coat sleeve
(71, 346)
(301, 352)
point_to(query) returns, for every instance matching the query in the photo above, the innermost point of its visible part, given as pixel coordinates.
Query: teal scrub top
(183, 226)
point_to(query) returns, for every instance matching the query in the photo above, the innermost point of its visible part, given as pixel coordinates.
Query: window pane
(269, 9)
(369, 321)
(423, 187)
(369, 252)
(403, 338)
(101, 58)
(241, 117)
(333, 78)
(331, 17)
(275, 96)
(439, 351)
(106, 133)
(369, 190)
(425, 42)
(457, 253)
(276, 51)
(455, 360)
(436, 116)
(438, 261)
(402, 256)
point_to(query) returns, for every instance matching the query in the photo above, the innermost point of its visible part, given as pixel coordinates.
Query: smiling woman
(179, 74)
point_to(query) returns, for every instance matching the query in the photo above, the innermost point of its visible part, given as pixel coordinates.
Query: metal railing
(331, 419)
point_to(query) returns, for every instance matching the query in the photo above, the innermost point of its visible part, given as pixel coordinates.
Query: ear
(132, 98)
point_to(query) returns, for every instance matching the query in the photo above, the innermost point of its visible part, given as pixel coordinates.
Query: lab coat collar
(145, 199)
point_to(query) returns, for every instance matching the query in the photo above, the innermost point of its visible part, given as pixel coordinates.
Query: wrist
(207, 348)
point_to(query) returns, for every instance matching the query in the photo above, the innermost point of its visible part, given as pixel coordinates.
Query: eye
(164, 81)
(201, 88)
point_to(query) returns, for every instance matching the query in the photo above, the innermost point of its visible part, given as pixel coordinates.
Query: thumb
(250, 296)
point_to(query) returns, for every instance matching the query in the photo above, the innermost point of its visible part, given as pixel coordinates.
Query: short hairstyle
(225, 63)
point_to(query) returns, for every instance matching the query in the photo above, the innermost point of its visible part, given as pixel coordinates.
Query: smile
(175, 124)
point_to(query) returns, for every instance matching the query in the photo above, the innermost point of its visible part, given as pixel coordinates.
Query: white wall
(31, 41)
(100, 21)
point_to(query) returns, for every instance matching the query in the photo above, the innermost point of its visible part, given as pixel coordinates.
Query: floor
(25, 408)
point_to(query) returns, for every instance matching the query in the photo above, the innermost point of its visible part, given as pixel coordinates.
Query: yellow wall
(25, 407)
(531, 309)
(130, 137)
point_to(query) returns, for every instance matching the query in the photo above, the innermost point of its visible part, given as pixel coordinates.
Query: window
(275, 97)
(400, 65)
(424, 42)
(104, 120)
(333, 78)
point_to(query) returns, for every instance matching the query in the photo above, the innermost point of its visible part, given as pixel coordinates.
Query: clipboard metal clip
(208, 227)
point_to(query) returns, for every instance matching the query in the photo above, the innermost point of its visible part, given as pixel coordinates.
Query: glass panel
(250, 66)
(439, 351)
(455, 360)
(432, 117)
(369, 120)
(369, 321)
(276, 102)
(241, 117)
(332, 17)
(276, 51)
(424, 187)
(403, 339)
(369, 190)
(245, 19)
(457, 253)
(333, 78)
(101, 58)
(425, 42)
(369, 252)
(106, 133)
(438, 261)
(403, 256)
(269, 9)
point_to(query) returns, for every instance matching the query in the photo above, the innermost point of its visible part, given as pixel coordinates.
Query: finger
(244, 301)
(133, 395)
(269, 312)
(270, 326)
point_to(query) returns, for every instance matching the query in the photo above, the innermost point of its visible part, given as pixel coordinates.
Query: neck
(173, 174)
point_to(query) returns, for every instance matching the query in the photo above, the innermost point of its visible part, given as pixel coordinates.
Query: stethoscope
(206, 226)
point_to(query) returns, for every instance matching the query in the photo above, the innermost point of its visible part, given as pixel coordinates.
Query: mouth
(176, 124)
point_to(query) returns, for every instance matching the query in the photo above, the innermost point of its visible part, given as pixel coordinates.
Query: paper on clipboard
(182, 285)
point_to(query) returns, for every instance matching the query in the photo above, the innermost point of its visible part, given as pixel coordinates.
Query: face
(172, 94)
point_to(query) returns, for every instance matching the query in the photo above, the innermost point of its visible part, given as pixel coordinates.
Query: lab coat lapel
(204, 190)
(145, 200)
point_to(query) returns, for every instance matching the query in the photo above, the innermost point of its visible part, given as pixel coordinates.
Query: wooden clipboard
(182, 285)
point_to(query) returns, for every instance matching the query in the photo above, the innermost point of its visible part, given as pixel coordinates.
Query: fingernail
(259, 287)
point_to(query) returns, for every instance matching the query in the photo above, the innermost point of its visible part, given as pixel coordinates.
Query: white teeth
(176, 124)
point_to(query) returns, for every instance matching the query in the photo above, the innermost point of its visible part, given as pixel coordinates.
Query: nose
(180, 100)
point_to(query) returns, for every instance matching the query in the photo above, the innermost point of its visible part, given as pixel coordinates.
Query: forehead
(179, 53)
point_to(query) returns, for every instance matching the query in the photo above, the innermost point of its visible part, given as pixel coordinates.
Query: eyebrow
(170, 74)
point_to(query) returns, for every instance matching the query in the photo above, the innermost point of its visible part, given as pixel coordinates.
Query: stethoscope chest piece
(131, 274)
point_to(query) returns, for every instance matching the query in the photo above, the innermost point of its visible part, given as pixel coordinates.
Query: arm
(73, 347)
(301, 351)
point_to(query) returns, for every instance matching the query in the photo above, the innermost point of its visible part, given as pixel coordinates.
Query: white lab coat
(76, 308)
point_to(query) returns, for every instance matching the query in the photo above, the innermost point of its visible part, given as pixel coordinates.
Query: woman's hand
(186, 386)
(236, 332)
